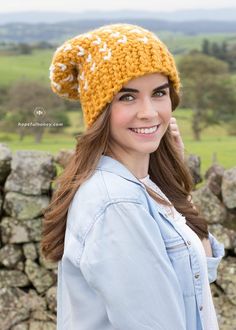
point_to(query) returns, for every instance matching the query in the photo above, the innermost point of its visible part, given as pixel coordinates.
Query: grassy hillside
(180, 43)
(28, 67)
(214, 140)
(35, 66)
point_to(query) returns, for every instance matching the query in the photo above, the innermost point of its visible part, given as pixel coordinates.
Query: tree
(24, 49)
(29, 106)
(216, 50)
(221, 51)
(224, 51)
(206, 47)
(43, 45)
(231, 57)
(208, 90)
(3, 93)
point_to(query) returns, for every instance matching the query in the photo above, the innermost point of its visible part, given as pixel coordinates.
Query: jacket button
(189, 243)
(196, 275)
(201, 308)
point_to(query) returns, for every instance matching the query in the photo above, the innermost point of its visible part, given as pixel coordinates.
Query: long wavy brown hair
(166, 168)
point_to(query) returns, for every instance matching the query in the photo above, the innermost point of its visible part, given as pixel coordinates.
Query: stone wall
(28, 282)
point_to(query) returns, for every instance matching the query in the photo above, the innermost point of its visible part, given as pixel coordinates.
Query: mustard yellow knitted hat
(93, 67)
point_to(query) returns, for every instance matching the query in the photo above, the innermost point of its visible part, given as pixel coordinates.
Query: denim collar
(109, 164)
(112, 165)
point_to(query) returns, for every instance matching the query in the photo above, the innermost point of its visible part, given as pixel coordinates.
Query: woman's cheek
(120, 117)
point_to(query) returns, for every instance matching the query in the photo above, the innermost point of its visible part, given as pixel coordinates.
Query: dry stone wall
(28, 282)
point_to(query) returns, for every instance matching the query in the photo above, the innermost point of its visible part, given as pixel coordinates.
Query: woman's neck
(137, 164)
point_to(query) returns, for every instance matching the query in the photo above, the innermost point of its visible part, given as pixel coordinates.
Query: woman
(133, 251)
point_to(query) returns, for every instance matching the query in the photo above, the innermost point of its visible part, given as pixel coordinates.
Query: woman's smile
(145, 131)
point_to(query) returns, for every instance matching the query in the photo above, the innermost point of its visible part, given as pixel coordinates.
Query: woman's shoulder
(109, 186)
(92, 198)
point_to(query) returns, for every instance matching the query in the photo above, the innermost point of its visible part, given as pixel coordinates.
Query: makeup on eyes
(132, 90)
(161, 89)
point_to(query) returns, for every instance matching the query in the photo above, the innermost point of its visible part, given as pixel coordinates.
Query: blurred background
(38, 133)
(201, 35)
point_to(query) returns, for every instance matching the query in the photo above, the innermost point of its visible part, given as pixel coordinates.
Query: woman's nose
(147, 110)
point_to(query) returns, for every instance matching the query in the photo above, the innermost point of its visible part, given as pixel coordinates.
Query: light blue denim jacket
(125, 265)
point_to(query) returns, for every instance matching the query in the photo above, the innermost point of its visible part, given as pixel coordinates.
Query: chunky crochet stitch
(93, 67)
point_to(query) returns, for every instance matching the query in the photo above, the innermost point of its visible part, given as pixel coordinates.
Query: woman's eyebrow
(163, 86)
(132, 90)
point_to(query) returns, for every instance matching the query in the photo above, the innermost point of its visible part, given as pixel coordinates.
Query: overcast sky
(82, 5)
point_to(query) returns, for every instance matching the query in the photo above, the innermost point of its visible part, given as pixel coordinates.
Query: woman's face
(140, 115)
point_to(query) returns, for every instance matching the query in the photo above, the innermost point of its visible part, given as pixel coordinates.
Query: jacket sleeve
(125, 262)
(213, 262)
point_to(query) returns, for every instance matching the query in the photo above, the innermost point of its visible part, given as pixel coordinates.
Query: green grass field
(214, 141)
(179, 42)
(35, 67)
(27, 67)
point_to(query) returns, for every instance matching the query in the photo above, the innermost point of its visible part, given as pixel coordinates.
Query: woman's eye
(160, 93)
(126, 97)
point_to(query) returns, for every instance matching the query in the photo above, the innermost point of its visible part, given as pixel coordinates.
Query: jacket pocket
(176, 247)
(178, 253)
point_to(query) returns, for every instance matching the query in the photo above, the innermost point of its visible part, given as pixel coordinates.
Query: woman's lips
(145, 130)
